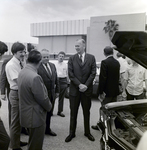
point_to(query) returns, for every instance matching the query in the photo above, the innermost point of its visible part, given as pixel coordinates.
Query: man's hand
(82, 87)
(56, 95)
(3, 97)
(101, 97)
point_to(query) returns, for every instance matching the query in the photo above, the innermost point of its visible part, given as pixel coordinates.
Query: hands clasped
(82, 87)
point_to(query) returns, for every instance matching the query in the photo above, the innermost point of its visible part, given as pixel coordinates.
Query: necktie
(81, 59)
(48, 70)
(21, 65)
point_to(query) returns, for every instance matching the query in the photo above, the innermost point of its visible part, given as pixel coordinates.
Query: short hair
(17, 46)
(45, 50)
(119, 54)
(30, 47)
(82, 40)
(34, 57)
(61, 52)
(3, 48)
(108, 50)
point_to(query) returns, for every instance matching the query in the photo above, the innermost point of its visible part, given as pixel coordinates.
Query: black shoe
(60, 114)
(51, 133)
(70, 137)
(90, 137)
(23, 144)
(95, 127)
(17, 149)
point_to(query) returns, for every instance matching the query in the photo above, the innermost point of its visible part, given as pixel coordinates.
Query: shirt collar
(83, 55)
(109, 56)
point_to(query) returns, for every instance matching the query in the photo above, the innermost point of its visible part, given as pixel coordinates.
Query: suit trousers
(15, 127)
(63, 87)
(36, 137)
(74, 106)
(4, 138)
(48, 116)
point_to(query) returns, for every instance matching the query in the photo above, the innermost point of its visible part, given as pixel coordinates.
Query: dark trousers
(4, 138)
(63, 87)
(36, 137)
(15, 127)
(74, 106)
(132, 97)
(48, 116)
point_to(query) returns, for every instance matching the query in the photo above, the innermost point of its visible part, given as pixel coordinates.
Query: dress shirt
(61, 68)
(135, 76)
(12, 71)
(48, 68)
(123, 64)
(83, 56)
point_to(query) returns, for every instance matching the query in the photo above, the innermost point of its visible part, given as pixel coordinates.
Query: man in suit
(4, 138)
(108, 79)
(33, 101)
(81, 71)
(48, 73)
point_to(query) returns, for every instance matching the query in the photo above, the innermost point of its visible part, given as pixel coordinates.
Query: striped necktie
(48, 70)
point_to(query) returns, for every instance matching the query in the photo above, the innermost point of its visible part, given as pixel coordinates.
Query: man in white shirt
(134, 77)
(61, 68)
(13, 67)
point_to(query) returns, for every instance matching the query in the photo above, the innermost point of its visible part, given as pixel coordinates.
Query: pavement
(61, 126)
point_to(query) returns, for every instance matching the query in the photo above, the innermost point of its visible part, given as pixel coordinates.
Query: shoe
(17, 149)
(70, 137)
(90, 137)
(60, 114)
(51, 133)
(23, 143)
(95, 127)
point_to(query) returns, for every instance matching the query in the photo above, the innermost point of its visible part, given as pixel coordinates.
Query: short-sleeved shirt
(135, 76)
(61, 68)
(13, 69)
(123, 64)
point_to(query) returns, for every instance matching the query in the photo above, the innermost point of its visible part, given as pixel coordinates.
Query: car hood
(132, 44)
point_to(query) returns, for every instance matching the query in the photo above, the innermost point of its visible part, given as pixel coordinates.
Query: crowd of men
(31, 83)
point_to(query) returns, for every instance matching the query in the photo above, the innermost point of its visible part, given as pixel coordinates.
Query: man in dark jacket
(48, 73)
(108, 79)
(81, 71)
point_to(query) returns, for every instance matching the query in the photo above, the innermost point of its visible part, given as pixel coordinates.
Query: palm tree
(111, 27)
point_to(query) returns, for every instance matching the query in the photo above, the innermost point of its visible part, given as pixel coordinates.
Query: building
(61, 35)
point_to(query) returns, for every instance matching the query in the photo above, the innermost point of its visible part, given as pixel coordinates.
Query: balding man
(81, 71)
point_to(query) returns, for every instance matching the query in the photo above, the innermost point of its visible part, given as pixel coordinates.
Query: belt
(13, 89)
(62, 78)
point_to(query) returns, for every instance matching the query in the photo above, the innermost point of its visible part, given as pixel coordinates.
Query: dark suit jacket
(84, 74)
(109, 77)
(51, 83)
(33, 98)
(4, 82)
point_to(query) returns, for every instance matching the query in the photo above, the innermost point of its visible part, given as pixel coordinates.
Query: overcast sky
(17, 15)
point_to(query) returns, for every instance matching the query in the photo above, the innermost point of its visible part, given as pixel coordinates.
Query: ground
(61, 127)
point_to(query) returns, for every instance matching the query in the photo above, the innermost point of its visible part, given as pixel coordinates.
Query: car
(123, 123)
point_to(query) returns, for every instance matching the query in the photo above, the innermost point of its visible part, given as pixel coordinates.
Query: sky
(17, 15)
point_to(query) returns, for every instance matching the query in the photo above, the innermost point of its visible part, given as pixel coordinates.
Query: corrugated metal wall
(71, 27)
